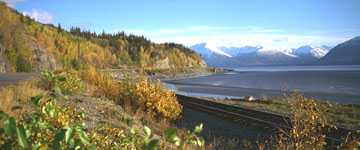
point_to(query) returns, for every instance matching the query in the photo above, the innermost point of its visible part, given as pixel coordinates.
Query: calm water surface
(333, 83)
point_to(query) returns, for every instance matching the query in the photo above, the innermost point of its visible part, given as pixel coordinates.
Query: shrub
(188, 140)
(127, 95)
(76, 64)
(22, 65)
(157, 99)
(308, 122)
(67, 81)
(49, 126)
(103, 82)
(71, 84)
(105, 137)
(153, 98)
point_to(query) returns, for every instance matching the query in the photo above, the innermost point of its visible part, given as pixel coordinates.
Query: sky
(274, 24)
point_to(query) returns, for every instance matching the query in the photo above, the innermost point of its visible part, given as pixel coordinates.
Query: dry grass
(15, 99)
(343, 115)
(222, 143)
(103, 83)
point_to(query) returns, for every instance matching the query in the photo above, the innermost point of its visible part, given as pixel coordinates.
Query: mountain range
(258, 55)
(347, 53)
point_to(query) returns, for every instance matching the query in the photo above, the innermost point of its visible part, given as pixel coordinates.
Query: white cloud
(217, 36)
(200, 30)
(11, 3)
(177, 31)
(40, 15)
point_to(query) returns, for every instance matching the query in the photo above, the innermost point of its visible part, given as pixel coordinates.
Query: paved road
(12, 78)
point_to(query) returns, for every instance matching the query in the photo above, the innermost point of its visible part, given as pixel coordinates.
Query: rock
(43, 60)
(203, 63)
(162, 64)
(4, 64)
(249, 98)
(2, 67)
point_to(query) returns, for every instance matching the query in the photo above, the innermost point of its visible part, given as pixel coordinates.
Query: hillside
(27, 45)
(347, 53)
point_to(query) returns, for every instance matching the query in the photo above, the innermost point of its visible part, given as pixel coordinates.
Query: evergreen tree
(59, 29)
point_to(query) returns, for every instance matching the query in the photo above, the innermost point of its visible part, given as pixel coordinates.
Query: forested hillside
(27, 45)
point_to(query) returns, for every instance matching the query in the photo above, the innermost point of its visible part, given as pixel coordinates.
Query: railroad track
(271, 120)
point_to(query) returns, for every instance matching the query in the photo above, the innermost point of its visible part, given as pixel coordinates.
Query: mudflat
(336, 86)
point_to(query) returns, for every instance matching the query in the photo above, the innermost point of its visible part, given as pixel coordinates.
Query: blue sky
(270, 23)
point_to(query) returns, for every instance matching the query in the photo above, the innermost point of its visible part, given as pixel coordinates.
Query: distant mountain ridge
(258, 55)
(347, 53)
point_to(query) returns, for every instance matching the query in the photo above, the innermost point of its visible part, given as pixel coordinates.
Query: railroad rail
(272, 120)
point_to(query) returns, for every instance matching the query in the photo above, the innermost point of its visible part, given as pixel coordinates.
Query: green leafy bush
(50, 126)
(191, 139)
(53, 127)
(67, 81)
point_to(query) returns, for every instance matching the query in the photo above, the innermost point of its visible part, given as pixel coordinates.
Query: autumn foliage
(103, 83)
(50, 125)
(157, 100)
(27, 45)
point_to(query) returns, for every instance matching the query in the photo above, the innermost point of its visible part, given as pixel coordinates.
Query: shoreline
(319, 85)
(182, 76)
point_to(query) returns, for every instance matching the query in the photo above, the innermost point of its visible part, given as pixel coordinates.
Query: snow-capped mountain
(266, 51)
(212, 57)
(251, 55)
(317, 52)
(235, 51)
(207, 50)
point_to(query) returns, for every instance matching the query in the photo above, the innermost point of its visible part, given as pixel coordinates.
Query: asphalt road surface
(13, 78)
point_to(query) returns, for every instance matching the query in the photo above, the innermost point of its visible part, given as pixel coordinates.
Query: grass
(15, 99)
(100, 83)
